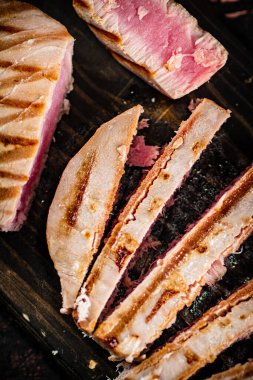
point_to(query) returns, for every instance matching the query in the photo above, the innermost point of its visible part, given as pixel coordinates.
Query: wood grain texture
(29, 284)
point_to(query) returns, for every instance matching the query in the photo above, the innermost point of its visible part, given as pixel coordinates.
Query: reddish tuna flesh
(142, 155)
(143, 124)
(216, 272)
(158, 40)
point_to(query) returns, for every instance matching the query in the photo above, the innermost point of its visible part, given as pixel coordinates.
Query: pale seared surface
(84, 199)
(35, 51)
(217, 329)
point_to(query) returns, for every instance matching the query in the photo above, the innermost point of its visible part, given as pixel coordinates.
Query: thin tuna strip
(84, 199)
(239, 372)
(177, 278)
(35, 76)
(144, 207)
(158, 40)
(231, 320)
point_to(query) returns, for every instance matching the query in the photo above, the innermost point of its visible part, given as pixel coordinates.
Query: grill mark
(9, 192)
(82, 179)
(6, 12)
(10, 29)
(18, 154)
(105, 34)
(51, 74)
(82, 4)
(92, 279)
(17, 140)
(16, 103)
(165, 296)
(34, 109)
(191, 244)
(27, 68)
(17, 177)
(143, 70)
(37, 37)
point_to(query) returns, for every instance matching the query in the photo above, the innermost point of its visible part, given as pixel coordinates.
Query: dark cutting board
(29, 286)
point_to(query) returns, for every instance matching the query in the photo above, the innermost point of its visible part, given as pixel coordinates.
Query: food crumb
(249, 80)
(92, 364)
(55, 352)
(43, 333)
(26, 317)
(153, 100)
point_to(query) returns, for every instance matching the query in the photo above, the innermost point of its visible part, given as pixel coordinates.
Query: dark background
(21, 356)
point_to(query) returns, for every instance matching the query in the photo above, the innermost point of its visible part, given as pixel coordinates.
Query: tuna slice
(156, 39)
(239, 372)
(217, 329)
(143, 208)
(178, 277)
(84, 200)
(35, 75)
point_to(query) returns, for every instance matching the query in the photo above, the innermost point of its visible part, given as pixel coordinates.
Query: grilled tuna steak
(156, 39)
(193, 348)
(239, 372)
(143, 208)
(84, 199)
(178, 277)
(35, 75)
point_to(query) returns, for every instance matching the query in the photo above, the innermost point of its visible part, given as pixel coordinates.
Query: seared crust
(238, 372)
(146, 204)
(170, 285)
(32, 48)
(84, 199)
(191, 349)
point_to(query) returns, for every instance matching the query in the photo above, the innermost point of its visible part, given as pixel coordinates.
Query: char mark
(78, 191)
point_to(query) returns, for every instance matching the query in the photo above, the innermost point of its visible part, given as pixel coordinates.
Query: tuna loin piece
(35, 75)
(178, 278)
(84, 199)
(238, 372)
(146, 204)
(156, 39)
(217, 329)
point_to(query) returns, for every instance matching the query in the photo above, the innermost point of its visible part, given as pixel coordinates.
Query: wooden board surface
(29, 286)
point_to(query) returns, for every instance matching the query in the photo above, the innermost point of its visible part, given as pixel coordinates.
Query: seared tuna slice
(143, 208)
(35, 75)
(84, 199)
(156, 39)
(238, 372)
(217, 329)
(178, 277)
